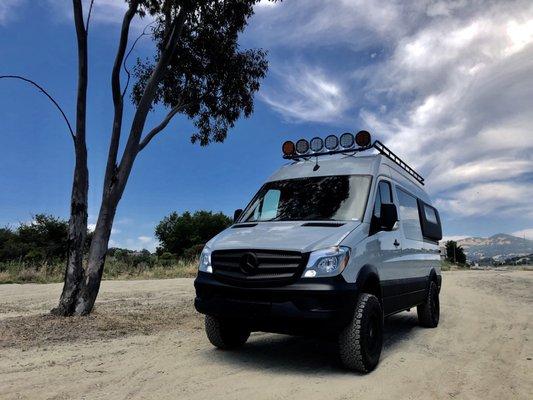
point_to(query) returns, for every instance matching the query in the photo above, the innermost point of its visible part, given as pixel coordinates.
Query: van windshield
(330, 198)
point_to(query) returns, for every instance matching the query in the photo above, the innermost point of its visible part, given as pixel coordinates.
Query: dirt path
(146, 341)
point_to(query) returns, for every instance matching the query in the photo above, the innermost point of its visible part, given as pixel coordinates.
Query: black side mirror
(237, 214)
(389, 216)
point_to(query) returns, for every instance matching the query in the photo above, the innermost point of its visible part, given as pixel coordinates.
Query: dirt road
(146, 341)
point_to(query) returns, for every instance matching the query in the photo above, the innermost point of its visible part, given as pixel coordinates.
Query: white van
(336, 240)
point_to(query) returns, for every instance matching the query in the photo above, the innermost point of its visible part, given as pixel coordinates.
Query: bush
(178, 233)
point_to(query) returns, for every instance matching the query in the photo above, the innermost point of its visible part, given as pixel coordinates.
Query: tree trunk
(77, 230)
(97, 254)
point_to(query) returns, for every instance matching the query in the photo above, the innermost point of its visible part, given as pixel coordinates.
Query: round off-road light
(288, 148)
(331, 142)
(302, 146)
(363, 138)
(346, 140)
(317, 144)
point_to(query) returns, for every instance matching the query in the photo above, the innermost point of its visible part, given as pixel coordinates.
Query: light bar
(332, 144)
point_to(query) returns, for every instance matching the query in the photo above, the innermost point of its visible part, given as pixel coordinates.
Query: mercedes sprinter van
(339, 238)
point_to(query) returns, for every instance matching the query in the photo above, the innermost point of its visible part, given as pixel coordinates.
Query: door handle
(396, 243)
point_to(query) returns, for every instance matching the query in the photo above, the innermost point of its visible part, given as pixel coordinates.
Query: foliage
(24, 272)
(43, 239)
(187, 233)
(209, 78)
(455, 253)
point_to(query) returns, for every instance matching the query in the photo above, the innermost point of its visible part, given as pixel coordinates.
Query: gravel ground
(145, 340)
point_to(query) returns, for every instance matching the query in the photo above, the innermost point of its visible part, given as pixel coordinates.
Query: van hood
(303, 236)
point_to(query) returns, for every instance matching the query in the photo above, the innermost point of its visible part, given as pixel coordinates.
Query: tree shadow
(308, 355)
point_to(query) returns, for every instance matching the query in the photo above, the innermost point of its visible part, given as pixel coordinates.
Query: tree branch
(160, 127)
(89, 17)
(118, 102)
(143, 33)
(43, 91)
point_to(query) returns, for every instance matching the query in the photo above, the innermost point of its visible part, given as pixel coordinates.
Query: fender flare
(366, 273)
(433, 276)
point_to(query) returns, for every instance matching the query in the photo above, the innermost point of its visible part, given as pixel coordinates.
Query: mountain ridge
(497, 246)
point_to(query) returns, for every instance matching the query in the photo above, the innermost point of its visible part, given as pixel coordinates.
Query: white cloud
(449, 87)
(527, 233)
(92, 227)
(306, 94)
(145, 239)
(496, 198)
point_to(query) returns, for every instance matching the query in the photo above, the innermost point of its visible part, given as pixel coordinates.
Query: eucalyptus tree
(197, 70)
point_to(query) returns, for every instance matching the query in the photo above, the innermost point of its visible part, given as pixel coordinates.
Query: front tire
(361, 341)
(429, 311)
(225, 334)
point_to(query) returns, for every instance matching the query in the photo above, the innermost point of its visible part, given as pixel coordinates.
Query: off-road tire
(361, 341)
(225, 334)
(429, 311)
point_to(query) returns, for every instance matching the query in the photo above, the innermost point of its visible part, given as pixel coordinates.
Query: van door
(386, 246)
(413, 271)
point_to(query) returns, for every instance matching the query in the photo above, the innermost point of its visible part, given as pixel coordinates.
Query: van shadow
(304, 355)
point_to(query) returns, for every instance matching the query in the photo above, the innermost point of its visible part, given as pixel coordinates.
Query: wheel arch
(368, 281)
(434, 277)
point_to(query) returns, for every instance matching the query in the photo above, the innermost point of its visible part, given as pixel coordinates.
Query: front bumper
(281, 308)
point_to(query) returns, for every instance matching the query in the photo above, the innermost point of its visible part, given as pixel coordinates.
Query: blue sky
(448, 85)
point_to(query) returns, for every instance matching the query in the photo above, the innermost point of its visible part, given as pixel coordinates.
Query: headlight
(327, 262)
(205, 261)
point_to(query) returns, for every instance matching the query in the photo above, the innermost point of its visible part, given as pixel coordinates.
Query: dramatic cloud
(448, 84)
(303, 93)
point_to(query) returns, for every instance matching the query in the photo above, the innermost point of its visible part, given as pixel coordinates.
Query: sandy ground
(146, 341)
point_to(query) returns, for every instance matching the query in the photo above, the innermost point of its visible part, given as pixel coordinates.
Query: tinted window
(383, 196)
(409, 217)
(430, 214)
(318, 198)
(430, 221)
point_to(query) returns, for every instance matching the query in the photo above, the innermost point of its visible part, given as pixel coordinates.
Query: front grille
(257, 266)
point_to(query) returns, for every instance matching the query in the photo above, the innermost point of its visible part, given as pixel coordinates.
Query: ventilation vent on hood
(243, 226)
(326, 224)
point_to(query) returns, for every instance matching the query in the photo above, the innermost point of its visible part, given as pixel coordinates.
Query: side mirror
(389, 216)
(237, 214)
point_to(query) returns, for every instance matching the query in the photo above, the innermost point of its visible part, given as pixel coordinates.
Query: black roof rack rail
(380, 147)
(393, 157)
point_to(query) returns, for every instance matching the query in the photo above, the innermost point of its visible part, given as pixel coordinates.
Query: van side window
(430, 221)
(383, 196)
(409, 217)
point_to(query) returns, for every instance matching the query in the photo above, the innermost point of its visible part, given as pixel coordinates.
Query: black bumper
(282, 308)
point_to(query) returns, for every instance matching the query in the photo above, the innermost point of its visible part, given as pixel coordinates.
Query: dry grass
(16, 272)
(108, 321)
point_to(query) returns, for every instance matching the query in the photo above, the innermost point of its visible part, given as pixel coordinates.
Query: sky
(448, 85)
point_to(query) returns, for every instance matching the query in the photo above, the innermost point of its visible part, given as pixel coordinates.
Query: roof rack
(393, 157)
(380, 147)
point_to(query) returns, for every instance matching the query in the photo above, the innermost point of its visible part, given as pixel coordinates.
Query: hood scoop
(236, 226)
(324, 224)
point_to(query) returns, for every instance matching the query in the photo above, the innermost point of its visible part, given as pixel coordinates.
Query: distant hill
(499, 247)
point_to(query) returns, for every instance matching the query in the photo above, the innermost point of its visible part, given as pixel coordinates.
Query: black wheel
(224, 333)
(429, 311)
(361, 341)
